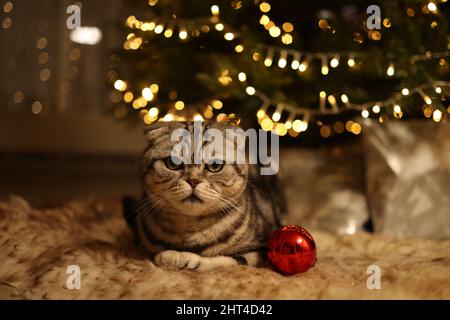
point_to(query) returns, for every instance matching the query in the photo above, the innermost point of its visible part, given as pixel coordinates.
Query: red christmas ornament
(291, 250)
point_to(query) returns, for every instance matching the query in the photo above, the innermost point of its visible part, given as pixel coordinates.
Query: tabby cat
(200, 217)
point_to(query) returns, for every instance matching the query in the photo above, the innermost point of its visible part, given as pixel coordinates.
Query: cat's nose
(193, 182)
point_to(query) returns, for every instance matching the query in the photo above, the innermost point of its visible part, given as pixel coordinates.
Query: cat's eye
(214, 166)
(173, 165)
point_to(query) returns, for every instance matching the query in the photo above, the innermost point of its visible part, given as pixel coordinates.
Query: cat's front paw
(177, 260)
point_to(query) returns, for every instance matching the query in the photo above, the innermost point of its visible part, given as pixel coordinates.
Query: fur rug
(38, 245)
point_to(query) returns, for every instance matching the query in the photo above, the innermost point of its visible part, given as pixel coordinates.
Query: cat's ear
(159, 129)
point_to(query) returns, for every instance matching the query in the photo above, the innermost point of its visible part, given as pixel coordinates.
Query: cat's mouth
(192, 199)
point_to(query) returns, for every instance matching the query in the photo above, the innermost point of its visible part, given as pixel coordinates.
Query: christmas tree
(290, 65)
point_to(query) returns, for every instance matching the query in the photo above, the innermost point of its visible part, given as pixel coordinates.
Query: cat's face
(190, 189)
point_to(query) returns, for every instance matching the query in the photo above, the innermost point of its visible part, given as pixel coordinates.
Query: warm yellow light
(438, 90)
(427, 100)
(154, 88)
(264, 7)
(158, 29)
(229, 36)
(198, 117)
(286, 38)
(168, 33)
(282, 63)
(334, 62)
(344, 98)
(120, 85)
(432, 7)
(276, 116)
(260, 114)
(250, 91)
(437, 115)
(295, 64)
(391, 70)
(215, 10)
(268, 62)
(302, 67)
(365, 114)
(242, 77)
(281, 129)
(239, 48)
(168, 117)
(179, 105)
(153, 112)
(323, 94)
(147, 94)
(217, 104)
(351, 62)
(288, 27)
(376, 109)
(325, 70)
(219, 27)
(356, 128)
(148, 119)
(299, 126)
(405, 91)
(267, 124)
(397, 109)
(128, 97)
(274, 31)
(264, 20)
(183, 34)
(332, 100)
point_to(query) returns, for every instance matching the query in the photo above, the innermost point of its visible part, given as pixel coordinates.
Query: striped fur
(227, 221)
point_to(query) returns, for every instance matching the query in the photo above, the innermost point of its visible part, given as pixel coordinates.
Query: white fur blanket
(38, 245)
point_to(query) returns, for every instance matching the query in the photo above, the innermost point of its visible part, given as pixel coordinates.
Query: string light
(325, 68)
(242, 77)
(215, 10)
(305, 64)
(250, 91)
(289, 121)
(296, 61)
(437, 115)
(376, 109)
(198, 117)
(219, 27)
(333, 103)
(274, 31)
(432, 7)
(153, 112)
(438, 90)
(239, 48)
(397, 109)
(405, 91)
(351, 61)
(365, 114)
(159, 29)
(282, 62)
(391, 70)
(120, 85)
(229, 36)
(147, 94)
(269, 59)
(183, 34)
(179, 105)
(345, 99)
(334, 63)
(217, 104)
(322, 97)
(267, 124)
(168, 117)
(276, 116)
(264, 7)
